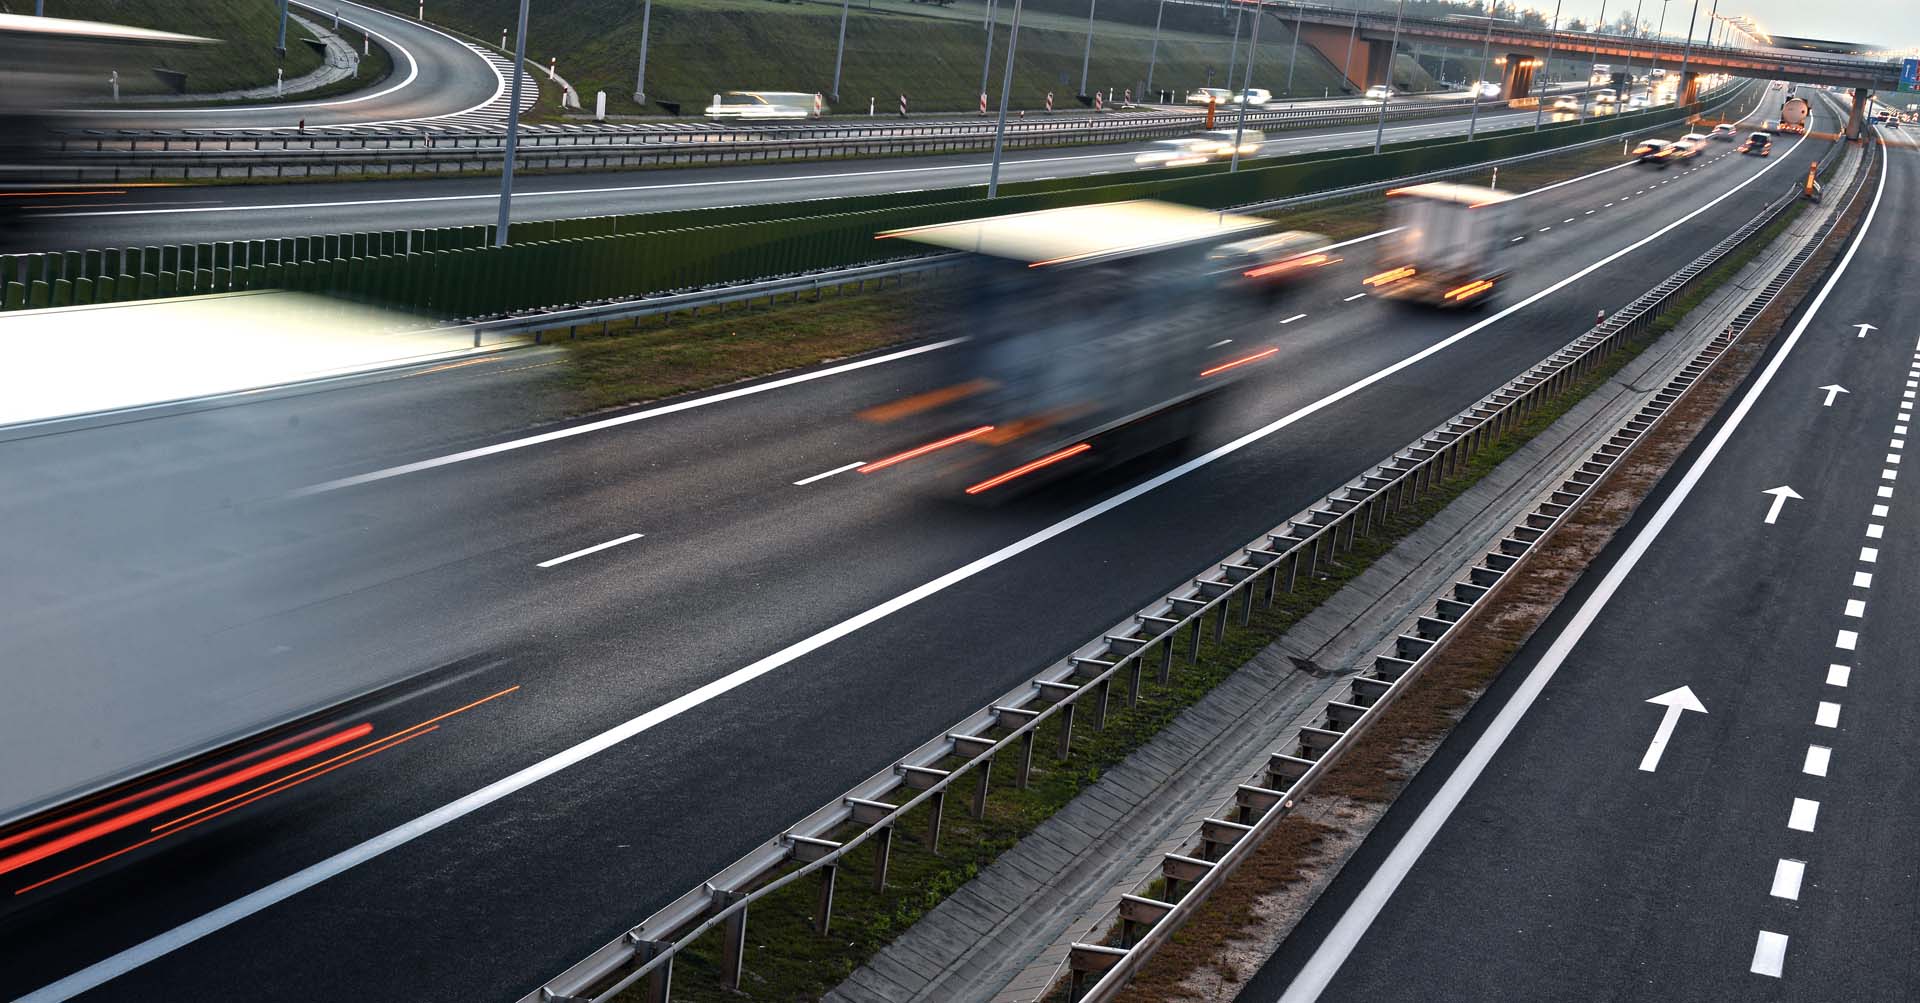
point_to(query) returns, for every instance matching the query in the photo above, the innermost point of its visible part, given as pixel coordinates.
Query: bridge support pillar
(1690, 88)
(1857, 114)
(1516, 80)
(1362, 61)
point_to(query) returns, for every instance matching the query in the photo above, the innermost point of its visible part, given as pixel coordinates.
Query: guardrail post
(882, 854)
(936, 809)
(733, 938)
(982, 777)
(1066, 731)
(1084, 960)
(1100, 705)
(823, 913)
(660, 980)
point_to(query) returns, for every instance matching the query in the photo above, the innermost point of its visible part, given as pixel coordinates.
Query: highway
(626, 648)
(244, 212)
(1764, 851)
(436, 78)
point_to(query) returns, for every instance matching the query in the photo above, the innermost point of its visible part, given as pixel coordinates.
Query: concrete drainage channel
(1079, 689)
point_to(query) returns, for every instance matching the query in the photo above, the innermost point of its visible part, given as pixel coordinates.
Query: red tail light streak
(1027, 468)
(1237, 363)
(924, 450)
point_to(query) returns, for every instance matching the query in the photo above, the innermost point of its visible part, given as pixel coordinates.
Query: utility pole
(1233, 60)
(513, 128)
(646, 26)
(1393, 52)
(1653, 55)
(986, 62)
(1087, 56)
(1628, 96)
(1293, 54)
(1153, 55)
(1006, 88)
(1240, 127)
(1686, 53)
(1480, 84)
(1346, 68)
(280, 48)
(1546, 67)
(840, 51)
(1590, 65)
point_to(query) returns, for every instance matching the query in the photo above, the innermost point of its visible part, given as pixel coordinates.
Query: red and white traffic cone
(1049, 100)
(983, 102)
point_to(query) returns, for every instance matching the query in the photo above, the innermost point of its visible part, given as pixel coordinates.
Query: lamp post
(1480, 84)
(840, 51)
(1653, 54)
(1154, 54)
(1546, 67)
(1293, 53)
(1686, 52)
(1233, 58)
(640, 83)
(279, 48)
(1240, 126)
(1086, 56)
(513, 128)
(1393, 52)
(1630, 47)
(986, 62)
(1006, 87)
(1584, 94)
(1346, 67)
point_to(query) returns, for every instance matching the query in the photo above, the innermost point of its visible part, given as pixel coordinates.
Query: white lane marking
(1875, 531)
(804, 481)
(1888, 475)
(1893, 459)
(1518, 239)
(1869, 554)
(1880, 511)
(1352, 925)
(279, 891)
(1355, 296)
(1818, 758)
(1769, 954)
(1609, 205)
(1896, 443)
(1862, 580)
(1786, 879)
(1837, 675)
(1589, 212)
(625, 419)
(1569, 219)
(1900, 429)
(1846, 640)
(1827, 715)
(596, 548)
(1293, 318)
(1543, 229)
(413, 71)
(1856, 608)
(1222, 343)
(1886, 491)
(1804, 815)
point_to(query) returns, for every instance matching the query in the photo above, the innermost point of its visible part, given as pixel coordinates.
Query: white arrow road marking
(1780, 496)
(1833, 390)
(1677, 702)
(1864, 328)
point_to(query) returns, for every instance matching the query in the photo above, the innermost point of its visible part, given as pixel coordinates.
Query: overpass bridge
(1361, 43)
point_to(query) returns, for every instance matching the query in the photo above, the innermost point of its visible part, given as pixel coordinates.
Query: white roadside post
(113, 77)
(513, 128)
(1006, 88)
(1393, 52)
(1240, 126)
(600, 106)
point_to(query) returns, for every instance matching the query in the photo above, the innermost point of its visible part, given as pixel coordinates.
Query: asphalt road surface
(1764, 851)
(623, 720)
(435, 77)
(141, 216)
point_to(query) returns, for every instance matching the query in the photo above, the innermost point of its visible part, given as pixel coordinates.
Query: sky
(1893, 24)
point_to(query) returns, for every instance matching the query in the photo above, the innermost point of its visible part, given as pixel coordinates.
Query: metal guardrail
(116, 159)
(1293, 770)
(1084, 684)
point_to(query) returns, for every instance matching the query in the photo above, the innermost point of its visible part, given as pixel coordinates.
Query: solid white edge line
(596, 548)
(1359, 916)
(625, 419)
(804, 481)
(216, 919)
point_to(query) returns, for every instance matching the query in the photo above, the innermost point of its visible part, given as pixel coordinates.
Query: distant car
(1209, 95)
(1219, 142)
(1654, 151)
(1723, 131)
(1567, 103)
(1255, 96)
(1687, 147)
(1379, 92)
(1758, 144)
(1605, 95)
(1183, 152)
(1637, 101)
(1274, 261)
(1488, 89)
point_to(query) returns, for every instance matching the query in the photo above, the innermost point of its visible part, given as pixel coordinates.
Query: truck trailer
(1448, 245)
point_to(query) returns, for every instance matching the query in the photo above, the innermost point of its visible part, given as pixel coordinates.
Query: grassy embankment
(244, 56)
(931, 54)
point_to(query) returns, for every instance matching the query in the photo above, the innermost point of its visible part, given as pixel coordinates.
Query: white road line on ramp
(217, 919)
(1366, 907)
(596, 548)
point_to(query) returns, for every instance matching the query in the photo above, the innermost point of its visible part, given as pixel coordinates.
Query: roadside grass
(243, 58)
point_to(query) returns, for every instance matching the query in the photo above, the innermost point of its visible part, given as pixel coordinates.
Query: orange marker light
(1391, 275)
(1469, 290)
(924, 450)
(1224, 366)
(1025, 469)
(1306, 261)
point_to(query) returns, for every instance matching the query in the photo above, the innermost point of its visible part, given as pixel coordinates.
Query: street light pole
(1240, 127)
(841, 51)
(1653, 54)
(1006, 87)
(1480, 84)
(1346, 67)
(1588, 92)
(1086, 57)
(1393, 52)
(513, 127)
(1293, 54)
(1638, 4)
(1546, 67)
(1233, 58)
(1153, 55)
(646, 26)
(1686, 53)
(279, 49)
